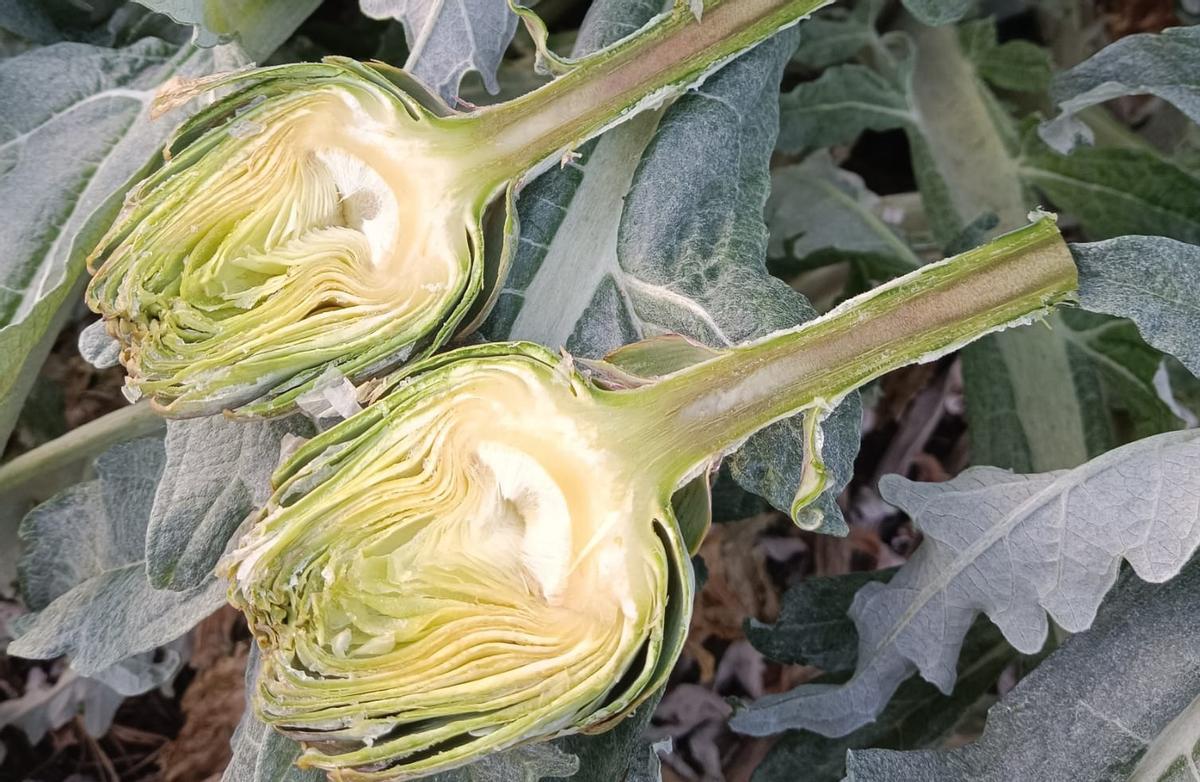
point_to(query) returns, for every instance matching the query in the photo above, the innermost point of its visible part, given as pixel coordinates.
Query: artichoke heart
(318, 215)
(463, 567)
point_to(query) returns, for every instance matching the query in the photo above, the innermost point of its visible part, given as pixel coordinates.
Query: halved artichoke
(465, 566)
(489, 554)
(330, 217)
(320, 214)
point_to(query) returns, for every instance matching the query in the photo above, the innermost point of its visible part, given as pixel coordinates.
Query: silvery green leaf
(217, 471)
(1152, 280)
(818, 213)
(260, 26)
(1118, 702)
(76, 129)
(83, 570)
(939, 12)
(97, 347)
(1116, 191)
(1020, 548)
(144, 671)
(446, 40)
(625, 253)
(917, 716)
(92, 527)
(1166, 64)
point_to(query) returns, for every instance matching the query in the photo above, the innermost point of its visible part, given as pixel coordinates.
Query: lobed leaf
(1019, 548)
(917, 716)
(216, 472)
(1114, 703)
(1152, 280)
(446, 40)
(818, 214)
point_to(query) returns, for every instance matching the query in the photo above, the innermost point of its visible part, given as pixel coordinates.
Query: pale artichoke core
(321, 224)
(480, 573)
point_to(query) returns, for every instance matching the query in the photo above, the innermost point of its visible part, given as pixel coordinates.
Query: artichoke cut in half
(318, 215)
(465, 566)
(330, 218)
(496, 551)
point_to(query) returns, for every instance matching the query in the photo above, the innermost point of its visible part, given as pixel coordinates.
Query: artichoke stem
(675, 52)
(711, 408)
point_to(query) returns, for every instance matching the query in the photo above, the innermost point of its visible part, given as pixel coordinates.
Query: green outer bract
(464, 566)
(319, 215)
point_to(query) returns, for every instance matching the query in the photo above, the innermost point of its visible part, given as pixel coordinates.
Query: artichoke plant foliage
(489, 554)
(338, 214)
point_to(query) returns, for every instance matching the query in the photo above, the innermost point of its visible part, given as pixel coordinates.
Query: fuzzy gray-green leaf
(1114, 191)
(1152, 280)
(83, 570)
(1020, 548)
(1115, 703)
(446, 40)
(259, 26)
(1165, 64)
(217, 472)
(917, 716)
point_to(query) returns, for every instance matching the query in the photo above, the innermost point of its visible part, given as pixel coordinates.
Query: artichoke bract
(334, 214)
(496, 551)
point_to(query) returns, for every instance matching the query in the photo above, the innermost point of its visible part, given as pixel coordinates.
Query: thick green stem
(674, 52)
(710, 408)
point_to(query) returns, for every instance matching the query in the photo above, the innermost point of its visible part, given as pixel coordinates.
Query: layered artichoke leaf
(467, 565)
(319, 215)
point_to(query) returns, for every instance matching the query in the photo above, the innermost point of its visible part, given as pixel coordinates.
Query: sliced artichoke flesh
(290, 228)
(463, 567)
